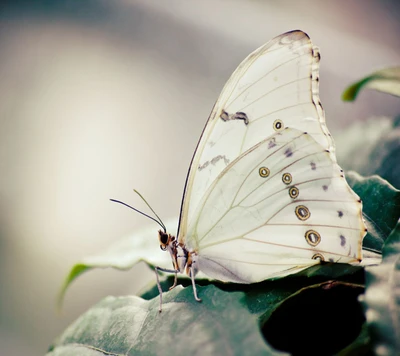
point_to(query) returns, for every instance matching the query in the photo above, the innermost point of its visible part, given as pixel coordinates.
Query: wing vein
(258, 80)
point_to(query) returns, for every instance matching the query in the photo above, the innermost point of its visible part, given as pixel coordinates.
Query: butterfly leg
(193, 283)
(175, 281)
(156, 269)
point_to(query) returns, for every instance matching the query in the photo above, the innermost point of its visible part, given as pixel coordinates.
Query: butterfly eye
(319, 257)
(313, 238)
(264, 172)
(164, 240)
(294, 192)
(302, 212)
(287, 178)
(278, 125)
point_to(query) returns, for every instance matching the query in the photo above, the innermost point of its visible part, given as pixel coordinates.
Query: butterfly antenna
(159, 219)
(140, 212)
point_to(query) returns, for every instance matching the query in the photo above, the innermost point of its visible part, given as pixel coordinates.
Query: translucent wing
(274, 87)
(281, 206)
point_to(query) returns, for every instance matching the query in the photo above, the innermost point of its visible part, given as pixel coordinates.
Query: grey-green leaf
(375, 151)
(360, 346)
(220, 325)
(382, 298)
(122, 255)
(381, 207)
(386, 80)
(296, 317)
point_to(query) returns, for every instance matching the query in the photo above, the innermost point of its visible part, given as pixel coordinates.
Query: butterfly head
(165, 239)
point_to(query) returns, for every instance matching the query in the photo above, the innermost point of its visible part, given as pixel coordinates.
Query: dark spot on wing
(214, 161)
(219, 157)
(202, 166)
(278, 125)
(313, 238)
(224, 116)
(302, 212)
(271, 143)
(342, 240)
(325, 188)
(264, 172)
(340, 213)
(294, 192)
(313, 166)
(319, 257)
(237, 116)
(241, 116)
(288, 152)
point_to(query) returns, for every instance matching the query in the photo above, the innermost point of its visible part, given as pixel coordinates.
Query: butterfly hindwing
(282, 205)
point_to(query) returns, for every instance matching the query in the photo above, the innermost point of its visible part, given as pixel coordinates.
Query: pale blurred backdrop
(99, 97)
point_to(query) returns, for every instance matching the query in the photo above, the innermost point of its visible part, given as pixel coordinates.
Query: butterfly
(264, 196)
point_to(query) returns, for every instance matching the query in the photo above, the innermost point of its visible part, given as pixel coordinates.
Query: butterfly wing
(274, 87)
(281, 206)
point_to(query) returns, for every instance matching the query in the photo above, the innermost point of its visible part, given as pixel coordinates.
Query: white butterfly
(264, 196)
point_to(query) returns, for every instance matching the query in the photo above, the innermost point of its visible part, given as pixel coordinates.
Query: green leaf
(385, 80)
(123, 255)
(360, 346)
(319, 319)
(221, 324)
(223, 304)
(376, 151)
(76, 271)
(262, 296)
(381, 207)
(382, 298)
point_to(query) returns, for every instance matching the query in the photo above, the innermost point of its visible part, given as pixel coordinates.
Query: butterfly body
(264, 196)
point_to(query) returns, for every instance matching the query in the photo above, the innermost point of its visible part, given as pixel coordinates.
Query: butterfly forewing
(273, 88)
(280, 206)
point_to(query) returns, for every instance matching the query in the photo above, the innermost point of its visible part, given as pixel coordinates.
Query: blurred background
(99, 97)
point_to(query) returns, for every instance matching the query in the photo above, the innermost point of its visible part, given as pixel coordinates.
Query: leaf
(376, 151)
(381, 207)
(385, 80)
(76, 271)
(382, 298)
(221, 324)
(360, 346)
(319, 319)
(123, 255)
(263, 296)
(223, 304)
